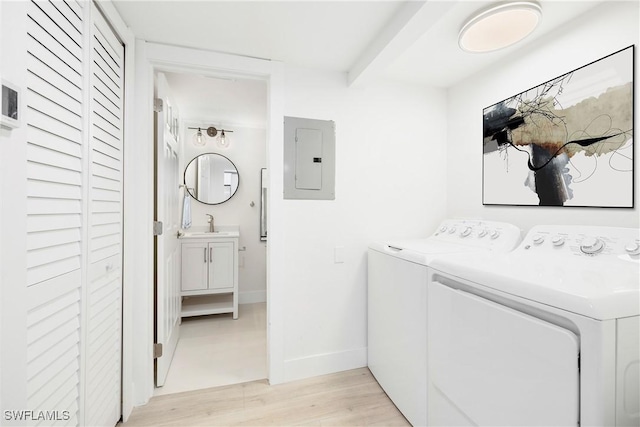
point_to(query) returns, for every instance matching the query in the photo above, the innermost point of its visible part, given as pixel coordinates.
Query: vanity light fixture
(221, 141)
(198, 138)
(499, 26)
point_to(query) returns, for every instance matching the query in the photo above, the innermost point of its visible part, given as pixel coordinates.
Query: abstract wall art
(566, 142)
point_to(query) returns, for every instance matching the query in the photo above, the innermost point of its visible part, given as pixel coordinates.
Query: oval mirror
(211, 178)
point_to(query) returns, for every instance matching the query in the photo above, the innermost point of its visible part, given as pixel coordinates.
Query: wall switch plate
(10, 113)
(338, 255)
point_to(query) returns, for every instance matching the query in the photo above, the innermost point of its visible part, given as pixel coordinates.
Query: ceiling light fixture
(499, 26)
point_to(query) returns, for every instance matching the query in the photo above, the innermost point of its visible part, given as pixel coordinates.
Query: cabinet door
(195, 258)
(221, 271)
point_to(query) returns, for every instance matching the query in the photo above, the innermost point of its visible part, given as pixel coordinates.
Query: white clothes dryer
(397, 304)
(546, 335)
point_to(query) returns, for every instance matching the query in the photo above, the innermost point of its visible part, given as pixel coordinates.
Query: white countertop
(220, 231)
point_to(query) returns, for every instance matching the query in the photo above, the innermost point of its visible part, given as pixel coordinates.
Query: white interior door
(492, 365)
(167, 283)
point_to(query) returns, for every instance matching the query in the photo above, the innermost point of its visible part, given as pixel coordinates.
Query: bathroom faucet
(210, 221)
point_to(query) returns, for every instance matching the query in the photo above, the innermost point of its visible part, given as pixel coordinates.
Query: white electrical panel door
(309, 159)
(492, 365)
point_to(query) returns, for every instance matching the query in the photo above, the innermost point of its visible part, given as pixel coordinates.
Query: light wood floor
(347, 398)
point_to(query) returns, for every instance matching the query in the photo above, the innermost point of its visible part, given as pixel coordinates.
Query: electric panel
(309, 159)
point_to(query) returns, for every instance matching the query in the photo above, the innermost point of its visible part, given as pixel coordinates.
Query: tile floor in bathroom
(217, 350)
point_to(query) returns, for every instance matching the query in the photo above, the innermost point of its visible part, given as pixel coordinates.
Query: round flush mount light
(499, 26)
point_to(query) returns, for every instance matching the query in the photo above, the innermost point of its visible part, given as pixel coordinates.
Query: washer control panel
(493, 235)
(584, 241)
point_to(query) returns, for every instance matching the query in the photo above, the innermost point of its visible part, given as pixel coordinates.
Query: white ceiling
(412, 41)
(316, 34)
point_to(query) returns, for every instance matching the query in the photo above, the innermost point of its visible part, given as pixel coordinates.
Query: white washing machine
(397, 304)
(546, 335)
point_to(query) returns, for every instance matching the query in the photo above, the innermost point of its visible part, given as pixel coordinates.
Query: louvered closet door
(74, 214)
(54, 119)
(104, 293)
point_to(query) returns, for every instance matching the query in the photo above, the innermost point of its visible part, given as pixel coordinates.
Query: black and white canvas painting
(566, 142)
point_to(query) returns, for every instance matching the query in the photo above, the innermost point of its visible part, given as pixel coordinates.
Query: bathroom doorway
(216, 349)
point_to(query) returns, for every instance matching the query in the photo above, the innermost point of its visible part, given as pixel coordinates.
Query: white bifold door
(490, 365)
(103, 327)
(74, 120)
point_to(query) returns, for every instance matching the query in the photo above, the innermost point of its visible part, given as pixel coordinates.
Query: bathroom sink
(209, 234)
(206, 233)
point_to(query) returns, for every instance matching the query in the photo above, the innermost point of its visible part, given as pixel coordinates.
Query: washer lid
(453, 236)
(586, 286)
(420, 251)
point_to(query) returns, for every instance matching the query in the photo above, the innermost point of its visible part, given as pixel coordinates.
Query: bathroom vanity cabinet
(209, 273)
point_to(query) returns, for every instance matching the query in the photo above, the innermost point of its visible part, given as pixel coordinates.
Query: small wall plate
(10, 117)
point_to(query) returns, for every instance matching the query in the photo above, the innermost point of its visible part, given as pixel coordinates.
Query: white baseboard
(252, 297)
(321, 364)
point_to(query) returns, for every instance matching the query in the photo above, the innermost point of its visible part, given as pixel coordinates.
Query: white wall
(598, 33)
(248, 154)
(390, 171)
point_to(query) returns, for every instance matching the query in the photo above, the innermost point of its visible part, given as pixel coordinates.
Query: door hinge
(157, 105)
(157, 350)
(578, 362)
(157, 228)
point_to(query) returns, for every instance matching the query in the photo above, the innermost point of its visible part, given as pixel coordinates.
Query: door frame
(138, 298)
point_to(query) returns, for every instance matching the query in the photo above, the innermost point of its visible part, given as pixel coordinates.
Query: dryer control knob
(483, 232)
(633, 248)
(538, 239)
(591, 245)
(452, 230)
(443, 228)
(465, 232)
(495, 234)
(557, 240)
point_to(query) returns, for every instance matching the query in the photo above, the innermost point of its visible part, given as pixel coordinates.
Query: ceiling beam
(413, 20)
